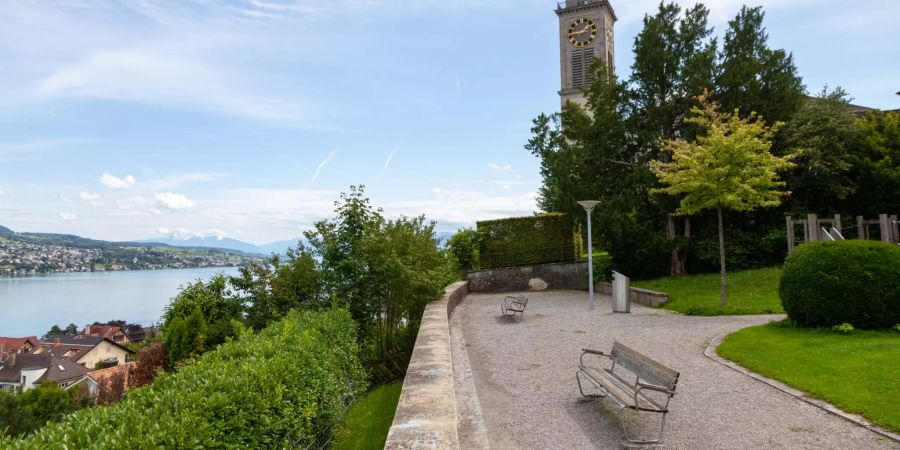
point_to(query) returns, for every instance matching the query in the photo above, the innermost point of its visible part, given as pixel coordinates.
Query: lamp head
(588, 204)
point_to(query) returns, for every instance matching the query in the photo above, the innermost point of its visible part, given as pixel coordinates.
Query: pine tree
(754, 78)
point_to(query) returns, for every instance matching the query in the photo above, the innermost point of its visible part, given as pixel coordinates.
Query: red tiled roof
(10, 344)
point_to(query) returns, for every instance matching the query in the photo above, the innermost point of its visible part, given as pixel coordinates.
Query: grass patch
(856, 372)
(749, 292)
(367, 422)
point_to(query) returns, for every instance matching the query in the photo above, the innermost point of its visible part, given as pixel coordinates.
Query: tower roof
(576, 5)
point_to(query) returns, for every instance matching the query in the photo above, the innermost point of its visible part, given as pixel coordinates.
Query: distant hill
(23, 254)
(279, 247)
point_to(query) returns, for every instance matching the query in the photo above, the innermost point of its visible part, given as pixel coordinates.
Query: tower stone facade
(585, 33)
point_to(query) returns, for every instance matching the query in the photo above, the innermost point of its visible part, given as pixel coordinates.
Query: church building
(585, 33)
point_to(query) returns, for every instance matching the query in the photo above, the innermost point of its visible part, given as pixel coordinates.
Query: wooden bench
(632, 381)
(514, 305)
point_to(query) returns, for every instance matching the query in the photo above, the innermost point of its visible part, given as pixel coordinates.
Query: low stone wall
(426, 413)
(645, 297)
(555, 276)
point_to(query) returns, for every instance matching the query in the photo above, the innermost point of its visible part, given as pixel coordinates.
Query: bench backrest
(643, 367)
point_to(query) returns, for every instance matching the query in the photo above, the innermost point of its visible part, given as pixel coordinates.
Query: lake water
(30, 306)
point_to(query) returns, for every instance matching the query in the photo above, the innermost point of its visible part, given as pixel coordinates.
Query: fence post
(896, 228)
(837, 224)
(812, 223)
(885, 225)
(861, 232)
(790, 233)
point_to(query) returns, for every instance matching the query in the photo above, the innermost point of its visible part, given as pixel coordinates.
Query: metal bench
(514, 305)
(652, 387)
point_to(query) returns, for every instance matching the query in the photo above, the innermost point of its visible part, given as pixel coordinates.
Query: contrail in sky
(321, 166)
(387, 163)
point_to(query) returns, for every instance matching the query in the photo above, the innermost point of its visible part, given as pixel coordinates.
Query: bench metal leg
(659, 435)
(578, 379)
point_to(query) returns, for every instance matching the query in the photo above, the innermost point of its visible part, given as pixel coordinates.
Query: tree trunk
(677, 264)
(722, 254)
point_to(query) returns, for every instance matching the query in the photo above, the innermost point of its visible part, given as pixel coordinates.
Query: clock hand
(579, 32)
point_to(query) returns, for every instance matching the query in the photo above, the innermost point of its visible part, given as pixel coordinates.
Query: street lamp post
(588, 206)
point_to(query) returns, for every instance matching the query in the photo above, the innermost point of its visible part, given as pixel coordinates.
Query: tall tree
(877, 174)
(754, 78)
(728, 166)
(824, 139)
(675, 62)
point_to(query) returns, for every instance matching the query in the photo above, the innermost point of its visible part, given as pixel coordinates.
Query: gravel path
(524, 379)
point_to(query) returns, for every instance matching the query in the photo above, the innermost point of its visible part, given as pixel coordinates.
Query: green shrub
(463, 247)
(285, 387)
(829, 283)
(538, 239)
(23, 412)
(845, 328)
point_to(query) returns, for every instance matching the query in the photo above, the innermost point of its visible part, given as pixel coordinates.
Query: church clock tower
(585, 34)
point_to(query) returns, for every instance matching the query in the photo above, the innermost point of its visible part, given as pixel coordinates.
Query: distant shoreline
(80, 272)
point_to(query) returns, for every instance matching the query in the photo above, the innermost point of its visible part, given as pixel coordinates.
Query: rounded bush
(826, 283)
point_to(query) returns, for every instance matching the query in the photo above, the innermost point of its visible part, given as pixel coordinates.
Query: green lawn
(749, 292)
(368, 421)
(857, 372)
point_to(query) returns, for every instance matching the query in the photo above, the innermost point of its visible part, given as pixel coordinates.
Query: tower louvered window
(582, 58)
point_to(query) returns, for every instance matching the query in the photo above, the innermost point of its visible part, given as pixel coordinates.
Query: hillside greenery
(286, 386)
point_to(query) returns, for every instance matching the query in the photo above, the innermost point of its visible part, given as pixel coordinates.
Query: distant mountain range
(279, 247)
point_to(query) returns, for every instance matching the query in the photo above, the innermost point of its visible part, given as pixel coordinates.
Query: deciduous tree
(728, 166)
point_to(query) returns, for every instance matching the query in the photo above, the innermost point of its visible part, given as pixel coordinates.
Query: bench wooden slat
(620, 390)
(645, 368)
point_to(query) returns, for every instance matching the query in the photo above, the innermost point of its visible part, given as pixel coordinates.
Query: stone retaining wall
(554, 276)
(645, 297)
(426, 413)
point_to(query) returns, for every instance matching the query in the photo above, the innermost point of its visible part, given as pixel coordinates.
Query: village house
(111, 332)
(26, 370)
(18, 345)
(85, 350)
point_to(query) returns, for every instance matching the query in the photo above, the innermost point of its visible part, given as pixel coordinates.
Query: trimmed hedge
(517, 241)
(285, 387)
(828, 283)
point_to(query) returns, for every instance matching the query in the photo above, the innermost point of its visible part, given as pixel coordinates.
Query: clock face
(582, 32)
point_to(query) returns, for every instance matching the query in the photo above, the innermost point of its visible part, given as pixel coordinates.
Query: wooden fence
(814, 228)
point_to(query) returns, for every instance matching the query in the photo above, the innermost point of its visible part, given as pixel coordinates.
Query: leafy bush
(23, 412)
(845, 328)
(829, 283)
(517, 241)
(463, 247)
(284, 387)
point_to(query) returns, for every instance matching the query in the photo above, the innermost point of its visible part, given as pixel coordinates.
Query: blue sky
(133, 119)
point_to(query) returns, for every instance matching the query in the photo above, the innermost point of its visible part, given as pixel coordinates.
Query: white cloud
(451, 206)
(114, 182)
(164, 76)
(184, 234)
(178, 180)
(91, 198)
(174, 201)
(321, 166)
(131, 202)
(499, 167)
(1, 191)
(67, 216)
